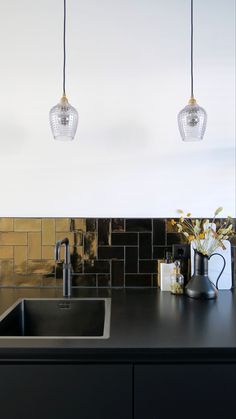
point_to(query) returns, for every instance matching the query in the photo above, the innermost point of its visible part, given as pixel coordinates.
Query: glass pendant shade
(192, 122)
(63, 120)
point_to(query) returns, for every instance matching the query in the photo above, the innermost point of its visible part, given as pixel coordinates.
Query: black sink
(57, 318)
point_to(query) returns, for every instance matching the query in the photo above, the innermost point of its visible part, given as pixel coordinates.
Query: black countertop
(146, 324)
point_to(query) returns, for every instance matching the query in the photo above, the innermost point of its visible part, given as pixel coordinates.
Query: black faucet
(67, 270)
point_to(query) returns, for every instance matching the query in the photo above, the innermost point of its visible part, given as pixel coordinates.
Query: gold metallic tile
(78, 238)
(48, 231)
(51, 281)
(6, 224)
(62, 224)
(6, 252)
(20, 259)
(27, 280)
(41, 266)
(34, 246)
(13, 239)
(80, 251)
(48, 252)
(27, 224)
(80, 224)
(6, 272)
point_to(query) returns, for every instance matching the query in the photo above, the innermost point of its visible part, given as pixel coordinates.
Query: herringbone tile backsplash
(105, 252)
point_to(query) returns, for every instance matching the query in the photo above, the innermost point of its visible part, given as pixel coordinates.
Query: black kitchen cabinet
(65, 391)
(184, 391)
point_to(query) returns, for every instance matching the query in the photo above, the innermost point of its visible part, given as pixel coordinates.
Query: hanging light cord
(64, 51)
(192, 49)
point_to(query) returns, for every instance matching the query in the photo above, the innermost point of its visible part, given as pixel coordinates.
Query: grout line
(109, 231)
(138, 256)
(138, 249)
(124, 274)
(118, 245)
(111, 279)
(125, 260)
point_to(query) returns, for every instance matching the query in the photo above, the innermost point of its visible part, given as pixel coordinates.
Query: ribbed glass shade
(192, 122)
(63, 120)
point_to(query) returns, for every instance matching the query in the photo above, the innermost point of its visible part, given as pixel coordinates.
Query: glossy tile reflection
(105, 252)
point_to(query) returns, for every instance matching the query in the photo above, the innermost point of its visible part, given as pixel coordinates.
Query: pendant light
(63, 117)
(192, 119)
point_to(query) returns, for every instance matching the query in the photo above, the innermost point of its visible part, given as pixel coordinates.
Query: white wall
(128, 76)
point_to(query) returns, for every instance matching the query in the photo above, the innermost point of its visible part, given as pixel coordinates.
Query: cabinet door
(185, 391)
(65, 392)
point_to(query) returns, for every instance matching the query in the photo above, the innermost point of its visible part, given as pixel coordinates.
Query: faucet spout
(59, 243)
(67, 269)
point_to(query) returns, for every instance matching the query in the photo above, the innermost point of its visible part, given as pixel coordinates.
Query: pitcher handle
(222, 270)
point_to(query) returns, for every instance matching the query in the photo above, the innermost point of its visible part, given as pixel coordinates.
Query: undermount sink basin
(80, 318)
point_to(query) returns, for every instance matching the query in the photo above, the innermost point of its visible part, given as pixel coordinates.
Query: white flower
(218, 210)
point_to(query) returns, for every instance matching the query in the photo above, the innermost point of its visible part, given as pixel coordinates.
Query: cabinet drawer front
(65, 391)
(184, 391)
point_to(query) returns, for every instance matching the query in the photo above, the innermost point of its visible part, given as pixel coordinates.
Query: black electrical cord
(192, 48)
(64, 51)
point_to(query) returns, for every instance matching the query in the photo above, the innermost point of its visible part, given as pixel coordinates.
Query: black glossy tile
(160, 251)
(154, 281)
(147, 266)
(159, 231)
(175, 238)
(138, 224)
(97, 266)
(104, 280)
(124, 239)
(91, 224)
(108, 252)
(145, 245)
(84, 280)
(90, 246)
(131, 259)
(76, 261)
(138, 280)
(77, 267)
(104, 231)
(118, 224)
(117, 273)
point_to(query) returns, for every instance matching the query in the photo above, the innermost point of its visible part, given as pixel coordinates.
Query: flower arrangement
(205, 236)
